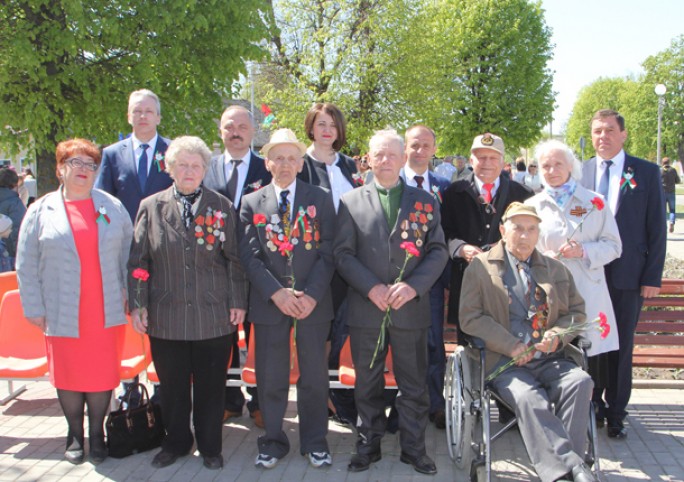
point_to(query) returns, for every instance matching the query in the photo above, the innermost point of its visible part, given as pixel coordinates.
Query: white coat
(600, 240)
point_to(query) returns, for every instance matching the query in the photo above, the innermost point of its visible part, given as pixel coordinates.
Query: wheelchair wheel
(459, 420)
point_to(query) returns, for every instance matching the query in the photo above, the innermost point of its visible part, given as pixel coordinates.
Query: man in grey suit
(235, 173)
(506, 292)
(373, 223)
(286, 249)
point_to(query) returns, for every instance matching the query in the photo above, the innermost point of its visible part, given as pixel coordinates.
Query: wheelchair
(468, 411)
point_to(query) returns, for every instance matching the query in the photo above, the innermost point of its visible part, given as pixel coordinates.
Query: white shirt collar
(479, 184)
(245, 159)
(410, 174)
(152, 143)
(291, 195)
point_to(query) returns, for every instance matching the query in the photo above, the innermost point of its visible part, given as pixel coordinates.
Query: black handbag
(133, 430)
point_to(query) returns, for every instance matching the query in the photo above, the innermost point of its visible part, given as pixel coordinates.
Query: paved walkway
(33, 429)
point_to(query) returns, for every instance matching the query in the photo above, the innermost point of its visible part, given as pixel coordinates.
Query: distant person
(670, 178)
(31, 185)
(446, 169)
(463, 168)
(12, 207)
(633, 191)
(507, 170)
(532, 179)
(520, 170)
(71, 267)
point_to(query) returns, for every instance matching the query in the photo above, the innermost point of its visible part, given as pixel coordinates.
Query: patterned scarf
(187, 200)
(562, 194)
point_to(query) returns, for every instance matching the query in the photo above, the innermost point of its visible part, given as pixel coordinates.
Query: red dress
(89, 363)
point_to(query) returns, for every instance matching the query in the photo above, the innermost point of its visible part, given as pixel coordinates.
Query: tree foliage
(67, 66)
(636, 100)
(472, 66)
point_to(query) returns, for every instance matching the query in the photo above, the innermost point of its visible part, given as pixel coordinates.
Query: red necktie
(488, 191)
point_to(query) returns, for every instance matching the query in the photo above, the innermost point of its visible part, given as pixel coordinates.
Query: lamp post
(660, 90)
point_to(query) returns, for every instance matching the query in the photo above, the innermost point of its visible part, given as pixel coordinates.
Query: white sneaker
(265, 461)
(319, 459)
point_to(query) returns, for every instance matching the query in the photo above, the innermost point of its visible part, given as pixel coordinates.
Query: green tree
(67, 66)
(667, 68)
(324, 51)
(470, 66)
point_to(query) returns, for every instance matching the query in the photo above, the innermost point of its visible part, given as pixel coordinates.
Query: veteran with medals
(286, 249)
(381, 227)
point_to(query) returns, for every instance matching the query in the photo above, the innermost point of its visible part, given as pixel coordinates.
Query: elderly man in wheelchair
(519, 304)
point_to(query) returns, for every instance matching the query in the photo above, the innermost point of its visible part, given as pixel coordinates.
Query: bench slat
(660, 327)
(662, 316)
(664, 340)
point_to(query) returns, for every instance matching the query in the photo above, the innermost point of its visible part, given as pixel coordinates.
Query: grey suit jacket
(191, 288)
(367, 253)
(269, 271)
(49, 267)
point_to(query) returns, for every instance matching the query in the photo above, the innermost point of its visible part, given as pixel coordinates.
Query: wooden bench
(659, 338)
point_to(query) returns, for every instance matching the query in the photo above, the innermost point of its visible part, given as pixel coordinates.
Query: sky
(605, 38)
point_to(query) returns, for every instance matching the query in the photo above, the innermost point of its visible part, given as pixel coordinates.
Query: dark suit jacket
(314, 172)
(641, 221)
(119, 174)
(268, 270)
(257, 176)
(191, 288)
(465, 221)
(367, 253)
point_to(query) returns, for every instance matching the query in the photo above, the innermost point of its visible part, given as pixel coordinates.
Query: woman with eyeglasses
(71, 264)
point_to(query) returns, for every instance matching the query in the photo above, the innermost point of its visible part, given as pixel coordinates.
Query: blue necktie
(603, 185)
(142, 167)
(284, 206)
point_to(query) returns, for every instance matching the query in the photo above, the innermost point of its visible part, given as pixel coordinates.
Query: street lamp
(660, 90)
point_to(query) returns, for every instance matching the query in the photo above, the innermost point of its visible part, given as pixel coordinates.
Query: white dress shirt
(137, 150)
(410, 175)
(616, 171)
(290, 197)
(481, 189)
(242, 168)
(338, 183)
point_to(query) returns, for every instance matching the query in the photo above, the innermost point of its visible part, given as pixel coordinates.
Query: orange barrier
(348, 375)
(22, 346)
(135, 356)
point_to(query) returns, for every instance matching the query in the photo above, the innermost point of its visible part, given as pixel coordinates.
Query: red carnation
(410, 248)
(598, 204)
(141, 274)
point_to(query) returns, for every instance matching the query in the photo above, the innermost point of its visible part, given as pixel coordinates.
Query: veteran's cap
(489, 141)
(519, 209)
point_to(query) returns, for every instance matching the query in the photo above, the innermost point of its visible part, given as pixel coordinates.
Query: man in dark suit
(133, 168)
(286, 249)
(373, 223)
(472, 210)
(238, 171)
(421, 145)
(235, 173)
(633, 190)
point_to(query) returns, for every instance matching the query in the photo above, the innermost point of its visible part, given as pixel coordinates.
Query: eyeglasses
(77, 163)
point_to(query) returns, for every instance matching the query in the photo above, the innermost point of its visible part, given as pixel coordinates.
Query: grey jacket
(49, 268)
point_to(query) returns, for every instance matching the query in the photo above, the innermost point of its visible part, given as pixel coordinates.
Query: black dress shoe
(97, 456)
(581, 473)
(74, 453)
(164, 459)
(213, 463)
(361, 462)
(600, 422)
(616, 431)
(98, 448)
(422, 463)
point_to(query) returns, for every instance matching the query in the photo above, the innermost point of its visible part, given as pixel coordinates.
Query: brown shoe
(228, 414)
(672, 227)
(258, 419)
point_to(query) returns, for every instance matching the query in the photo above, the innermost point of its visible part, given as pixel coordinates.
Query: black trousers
(410, 358)
(192, 377)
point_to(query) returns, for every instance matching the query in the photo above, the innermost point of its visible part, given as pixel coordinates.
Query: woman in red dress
(71, 258)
